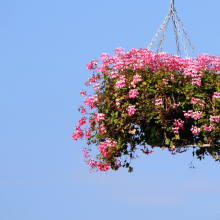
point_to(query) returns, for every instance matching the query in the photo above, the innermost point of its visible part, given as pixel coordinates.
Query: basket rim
(188, 145)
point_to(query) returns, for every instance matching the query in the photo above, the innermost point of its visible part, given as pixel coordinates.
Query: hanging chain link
(176, 37)
(162, 38)
(158, 32)
(180, 33)
(172, 10)
(186, 35)
(177, 23)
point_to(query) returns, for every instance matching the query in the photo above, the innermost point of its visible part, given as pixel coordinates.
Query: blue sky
(44, 48)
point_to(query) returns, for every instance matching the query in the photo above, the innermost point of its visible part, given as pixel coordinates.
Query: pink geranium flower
(165, 81)
(133, 93)
(195, 130)
(91, 65)
(121, 82)
(83, 92)
(90, 101)
(131, 110)
(158, 102)
(117, 102)
(216, 95)
(136, 78)
(102, 128)
(95, 87)
(208, 128)
(99, 116)
(214, 118)
(82, 121)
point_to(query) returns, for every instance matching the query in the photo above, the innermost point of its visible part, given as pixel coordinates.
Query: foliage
(141, 98)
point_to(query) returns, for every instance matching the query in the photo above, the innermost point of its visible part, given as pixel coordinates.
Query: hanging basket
(143, 98)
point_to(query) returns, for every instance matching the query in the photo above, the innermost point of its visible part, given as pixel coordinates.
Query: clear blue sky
(44, 48)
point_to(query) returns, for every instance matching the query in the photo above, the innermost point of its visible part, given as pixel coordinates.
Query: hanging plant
(141, 98)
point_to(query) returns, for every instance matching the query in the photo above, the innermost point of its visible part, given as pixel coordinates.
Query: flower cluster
(131, 109)
(117, 102)
(188, 114)
(195, 101)
(196, 81)
(85, 152)
(178, 125)
(175, 105)
(133, 93)
(82, 121)
(114, 75)
(214, 118)
(165, 81)
(83, 92)
(121, 82)
(78, 133)
(104, 147)
(99, 165)
(119, 51)
(104, 56)
(92, 64)
(87, 134)
(102, 128)
(82, 110)
(216, 95)
(99, 116)
(210, 128)
(195, 130)
(90, 101)
(197, 115)
(158, 102)
(95, 87)
(136, 78)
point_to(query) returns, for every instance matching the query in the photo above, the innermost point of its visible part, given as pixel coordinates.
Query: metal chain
(177, 23)
(186, 35)
(164, 34)
(180, 33)
(158, 32)
(162, 38)
(176, 37)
